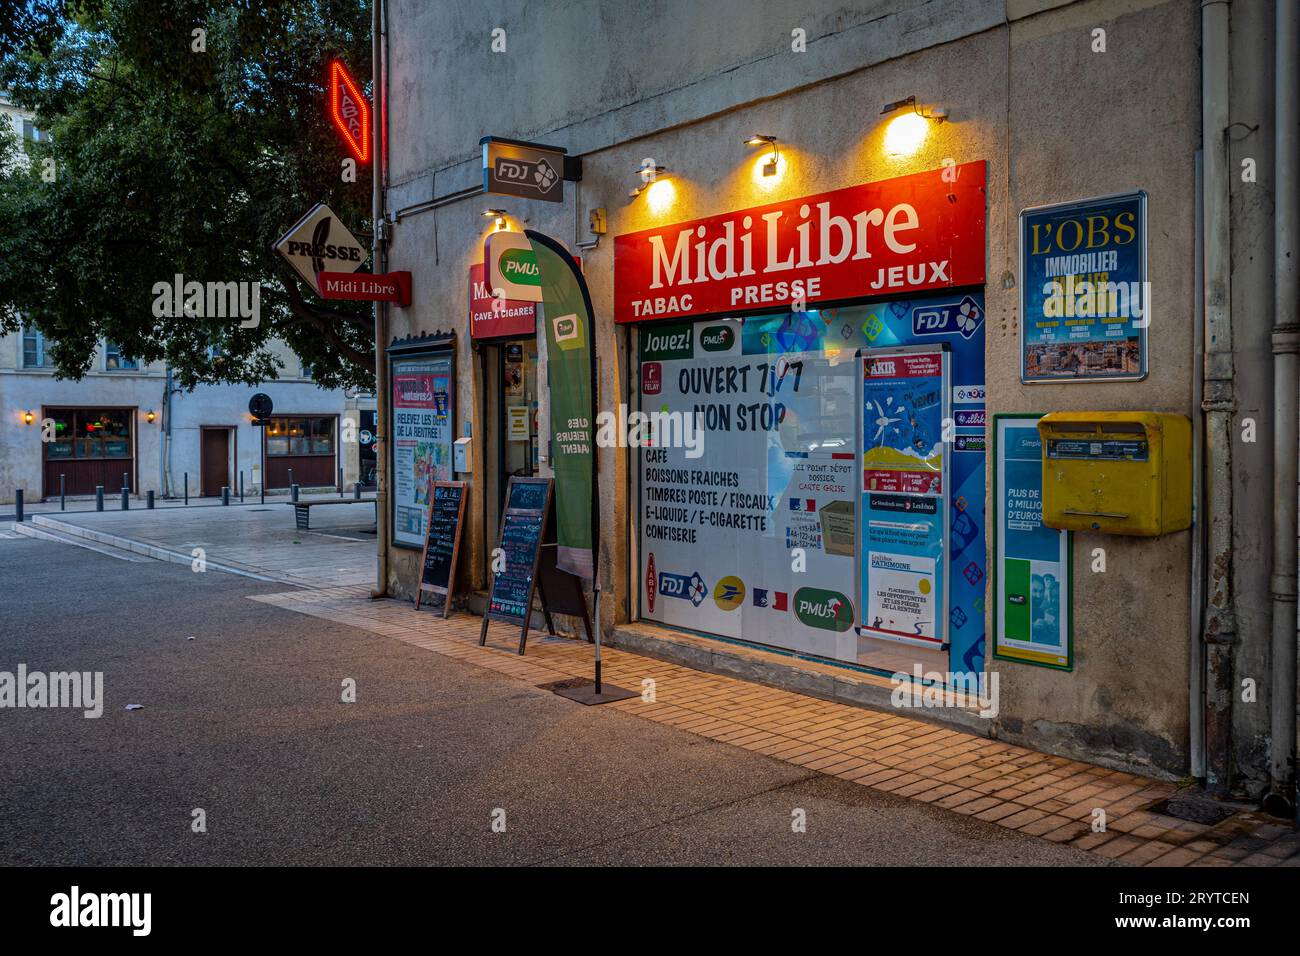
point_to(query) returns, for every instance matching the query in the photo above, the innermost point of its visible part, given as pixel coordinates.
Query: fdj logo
(964, 318)
(729, 593)
(519, 265)
(717, 339)
(568, 332)
(690, 588)
(827, 610)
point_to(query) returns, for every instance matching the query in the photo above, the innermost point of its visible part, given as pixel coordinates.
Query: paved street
(246, 722)
(256, 539)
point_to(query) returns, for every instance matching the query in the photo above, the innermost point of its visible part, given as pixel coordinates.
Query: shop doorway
(510, 415)
(215, 452)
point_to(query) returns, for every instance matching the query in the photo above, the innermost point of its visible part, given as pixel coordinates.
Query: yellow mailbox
(1117, 472)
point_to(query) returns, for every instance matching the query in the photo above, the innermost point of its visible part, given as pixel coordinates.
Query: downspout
(1281, 799)
(1219, 399)
(166, 463)
(1196, 663)
(379, 98)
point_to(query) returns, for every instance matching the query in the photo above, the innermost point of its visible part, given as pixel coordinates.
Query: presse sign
(904, 235)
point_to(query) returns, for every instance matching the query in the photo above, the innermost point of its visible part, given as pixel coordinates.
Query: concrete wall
(684, 83)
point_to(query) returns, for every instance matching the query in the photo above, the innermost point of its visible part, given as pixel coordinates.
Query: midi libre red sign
(917, 232)
(365, 286)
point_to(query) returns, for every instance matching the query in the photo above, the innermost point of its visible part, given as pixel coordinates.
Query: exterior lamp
(648, 172)
(149, 416)
(907, 130)
(498, 214)
(763, 139)
(28, 417)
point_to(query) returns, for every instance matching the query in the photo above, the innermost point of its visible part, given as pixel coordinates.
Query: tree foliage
(173, 160)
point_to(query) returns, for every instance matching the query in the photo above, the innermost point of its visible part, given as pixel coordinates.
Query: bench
(302, 509)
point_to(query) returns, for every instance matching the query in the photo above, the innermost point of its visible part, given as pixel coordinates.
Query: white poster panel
(751, 533)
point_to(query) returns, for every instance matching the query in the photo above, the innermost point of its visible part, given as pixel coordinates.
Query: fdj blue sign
(690, 588)
(963, 318)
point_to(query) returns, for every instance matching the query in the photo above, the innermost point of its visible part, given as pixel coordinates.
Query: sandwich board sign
(319, 242)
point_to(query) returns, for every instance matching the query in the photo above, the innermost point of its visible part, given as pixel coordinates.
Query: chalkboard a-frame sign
(441, 542)
(527, 543)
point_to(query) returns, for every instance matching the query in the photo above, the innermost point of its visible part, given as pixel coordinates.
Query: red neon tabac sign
(349, 111)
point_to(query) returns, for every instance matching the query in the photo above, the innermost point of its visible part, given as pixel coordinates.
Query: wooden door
(214, 453)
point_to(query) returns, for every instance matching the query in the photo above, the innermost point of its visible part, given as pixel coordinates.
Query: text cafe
(813, 479)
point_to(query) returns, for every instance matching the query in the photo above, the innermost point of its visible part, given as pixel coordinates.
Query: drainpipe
(1196, 662)
(1281, 798)
(378, 96)
(1219, 399)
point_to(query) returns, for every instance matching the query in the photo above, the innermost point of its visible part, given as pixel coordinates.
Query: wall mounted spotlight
(763, 139)
(648, 172)
(28, 417)
(149, 416)
(908, 128)
(938, 114)
(498, 214)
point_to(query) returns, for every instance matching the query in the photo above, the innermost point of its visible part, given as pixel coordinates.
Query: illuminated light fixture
(649, 172)
(908, 129)
(763, 139)
(28, 418)
(349, 111)
(149, 416)
(498, 214)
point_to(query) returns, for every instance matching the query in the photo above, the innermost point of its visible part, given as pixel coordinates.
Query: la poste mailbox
(1117, 472)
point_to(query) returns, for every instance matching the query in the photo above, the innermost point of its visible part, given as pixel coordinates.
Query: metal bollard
(225, 495)
(126, 481)
(126, 499)
(148, 499)
(187, 487)
(99, 497)
(290, 470)
(18, 504)
(293, 492)
(340, 481)
(356, 491)
(241, 487)
(63, 498)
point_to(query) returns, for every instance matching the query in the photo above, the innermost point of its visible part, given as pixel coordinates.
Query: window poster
(753, 528)
(1084, 295)
(422, 439)
(1032, 614)
(904, 504)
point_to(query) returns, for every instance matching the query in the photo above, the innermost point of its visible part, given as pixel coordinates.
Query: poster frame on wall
(1081, 205)
(942, 571)
(996, 569)
(437, 346)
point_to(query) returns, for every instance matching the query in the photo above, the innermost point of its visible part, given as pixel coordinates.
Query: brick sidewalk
(1049, 797)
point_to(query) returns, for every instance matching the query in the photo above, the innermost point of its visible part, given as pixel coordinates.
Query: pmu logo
(828, 610)
(964, 318)
(729, 593)
(689, 588)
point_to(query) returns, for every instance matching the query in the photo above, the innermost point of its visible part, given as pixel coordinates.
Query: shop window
(33, 134)
(33, 348)
(89, 433)
(300, 436)
(115, 361)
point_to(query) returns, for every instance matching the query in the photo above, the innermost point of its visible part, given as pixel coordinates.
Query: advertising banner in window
(751, 475)
(894, 237)
(904, 504)
(422, 438)
(1084, 296)
(1032, 609)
